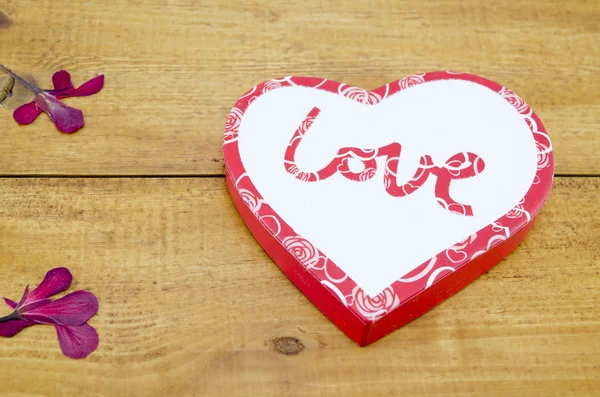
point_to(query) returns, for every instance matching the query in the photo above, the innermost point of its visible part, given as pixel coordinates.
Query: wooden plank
(191, 305)
(174, 69)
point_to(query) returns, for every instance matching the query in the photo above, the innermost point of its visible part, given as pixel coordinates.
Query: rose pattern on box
(460, 166)
(370, 309)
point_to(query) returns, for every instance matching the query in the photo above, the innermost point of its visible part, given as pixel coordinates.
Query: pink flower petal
(11, 303)
(29, 306)
(25, 295)
(26, 114)
(56, 280)
(13, 327)
(67, 119)
(91, 87)
(62, 81)
(73, 309)
(77, 342)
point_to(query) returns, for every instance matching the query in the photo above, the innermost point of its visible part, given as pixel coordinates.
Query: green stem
(21, 80)
(13, 316)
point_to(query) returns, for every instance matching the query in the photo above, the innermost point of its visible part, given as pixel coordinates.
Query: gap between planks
(173, 176)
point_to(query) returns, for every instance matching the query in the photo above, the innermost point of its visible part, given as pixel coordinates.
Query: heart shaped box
(378, 205)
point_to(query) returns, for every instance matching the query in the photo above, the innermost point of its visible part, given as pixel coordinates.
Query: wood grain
(191, 305)
(174, 69)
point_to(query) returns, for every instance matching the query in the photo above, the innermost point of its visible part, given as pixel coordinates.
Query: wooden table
(135, 204)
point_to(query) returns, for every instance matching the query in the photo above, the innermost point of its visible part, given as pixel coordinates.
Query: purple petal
(73, 309)
(25, 295)
(13, 327)
(62, 82)
(56, 280)
(67, 119)
(31, 305)
(91, 87)
(11, 303)
(26, 114)
(77, 342)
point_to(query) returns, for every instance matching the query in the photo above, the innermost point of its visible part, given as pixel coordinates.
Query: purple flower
(69, 314)
(67, 119)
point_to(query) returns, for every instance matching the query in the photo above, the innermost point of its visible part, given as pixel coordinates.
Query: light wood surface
(174, 69)
(190, 305)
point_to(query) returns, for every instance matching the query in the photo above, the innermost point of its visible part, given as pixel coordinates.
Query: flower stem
(13, 316)
(21, 80)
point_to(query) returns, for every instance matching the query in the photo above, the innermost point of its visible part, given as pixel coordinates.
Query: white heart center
(372, 236)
